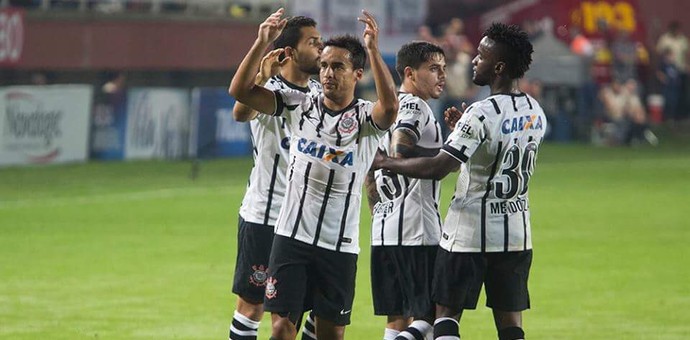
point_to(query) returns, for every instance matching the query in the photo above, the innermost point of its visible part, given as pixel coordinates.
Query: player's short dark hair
(358, 56)
(515, 49)
(292, 32)
(414, 54)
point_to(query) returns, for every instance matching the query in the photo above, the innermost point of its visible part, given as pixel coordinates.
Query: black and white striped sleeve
(466, 137)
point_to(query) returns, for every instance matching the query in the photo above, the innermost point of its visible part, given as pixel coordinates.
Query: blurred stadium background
(122, 170)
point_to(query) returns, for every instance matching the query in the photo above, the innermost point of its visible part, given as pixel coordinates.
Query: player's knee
(511, 333)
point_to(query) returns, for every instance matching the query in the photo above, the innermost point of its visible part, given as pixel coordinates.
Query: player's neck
(411, 89)
(337, 104)
(295, 76)
(504, 86)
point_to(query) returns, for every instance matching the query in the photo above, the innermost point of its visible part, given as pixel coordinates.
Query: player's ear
(500, 67)
(289, 51)
(358, 74)
(409, 73)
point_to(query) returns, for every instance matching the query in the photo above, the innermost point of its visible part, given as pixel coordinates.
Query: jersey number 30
(516, 169)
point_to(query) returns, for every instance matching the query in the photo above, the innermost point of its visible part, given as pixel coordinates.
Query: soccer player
(334, 138)
(486, 238)
(406, 224)
(300, 45)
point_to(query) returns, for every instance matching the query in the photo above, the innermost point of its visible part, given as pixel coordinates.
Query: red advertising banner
(594, 18)
(11, 36)
(600, 21)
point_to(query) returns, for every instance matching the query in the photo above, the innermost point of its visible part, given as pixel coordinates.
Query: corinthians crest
(271, 291)
(258, 278)
(348, 123)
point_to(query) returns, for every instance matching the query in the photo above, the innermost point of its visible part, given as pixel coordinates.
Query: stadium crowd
(627, 86)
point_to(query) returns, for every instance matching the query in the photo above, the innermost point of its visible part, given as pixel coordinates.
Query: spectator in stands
(624, 53)
(454, 39)
(675, 41)
(625, 115)
(424, 34)
(668, 75)
(459, 86)
(580, 44)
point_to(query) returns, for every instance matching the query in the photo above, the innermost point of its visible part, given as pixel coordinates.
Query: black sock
(446, 327)
(309, 329)
(243, 328)
(416, 331)
(511, 333)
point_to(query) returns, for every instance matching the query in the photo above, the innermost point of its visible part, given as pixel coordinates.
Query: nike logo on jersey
(325, 153)
(343, 312)
(522, 123)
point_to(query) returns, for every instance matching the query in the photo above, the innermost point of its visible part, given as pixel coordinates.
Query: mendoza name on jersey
(522, 123)
(324, 152)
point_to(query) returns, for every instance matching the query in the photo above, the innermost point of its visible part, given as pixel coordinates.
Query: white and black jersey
(330, 154)
(271, 144)
(497, 140)
(407, 213)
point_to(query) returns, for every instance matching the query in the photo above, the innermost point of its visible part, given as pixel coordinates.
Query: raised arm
(386, 107)
(243, 86)
(270, 66)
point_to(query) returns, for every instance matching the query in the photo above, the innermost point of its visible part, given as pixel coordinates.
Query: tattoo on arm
(403, 144)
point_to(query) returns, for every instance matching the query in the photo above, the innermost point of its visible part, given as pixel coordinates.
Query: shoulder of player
(314, 86)
(481, 109)
(275, 83)
(411, 104)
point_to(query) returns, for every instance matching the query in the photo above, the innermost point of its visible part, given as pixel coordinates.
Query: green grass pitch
(138, 250)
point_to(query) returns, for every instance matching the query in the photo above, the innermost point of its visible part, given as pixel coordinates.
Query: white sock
(416, 331)
(243, 327)
(422, 326)
(447, 329)
(390, 334)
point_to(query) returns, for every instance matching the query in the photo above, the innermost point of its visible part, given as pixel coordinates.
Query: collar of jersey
(291, 85)
(521, 94)
(335, 113)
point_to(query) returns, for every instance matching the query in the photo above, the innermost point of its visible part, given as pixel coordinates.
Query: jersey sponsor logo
(258, 278)
(347, 124)
(466, 130)
(522, 123)
(383, 208)
(411, 106)
(509, 207)
(271, 290)
(328, 154)
(285, 143)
